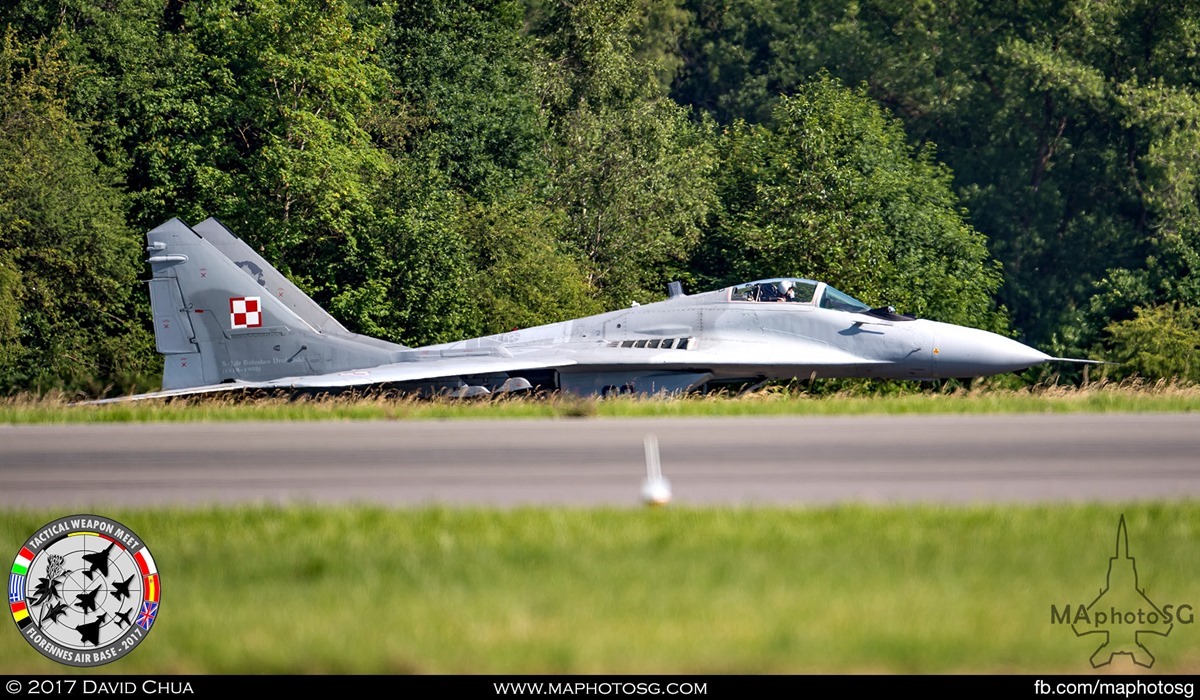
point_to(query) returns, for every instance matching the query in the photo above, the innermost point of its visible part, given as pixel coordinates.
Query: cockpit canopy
(798, 290)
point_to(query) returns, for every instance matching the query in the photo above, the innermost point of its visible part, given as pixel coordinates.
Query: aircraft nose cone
(970, 352)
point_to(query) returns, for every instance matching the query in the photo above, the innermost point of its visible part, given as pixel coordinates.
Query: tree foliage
(435, 170)
(831, 190)
(68, 261)
(1161, 342)
(630, 171)
(1070, 128)
(465, 82)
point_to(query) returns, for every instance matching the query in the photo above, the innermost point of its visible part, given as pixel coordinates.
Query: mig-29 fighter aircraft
(224, 319)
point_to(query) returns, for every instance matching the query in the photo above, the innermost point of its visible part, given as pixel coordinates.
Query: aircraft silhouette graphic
(90, 632)
(87, 600)
(121, 588)
(1123, 594)
(98, 561)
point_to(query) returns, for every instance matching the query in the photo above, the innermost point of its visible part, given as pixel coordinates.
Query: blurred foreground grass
(853, 589)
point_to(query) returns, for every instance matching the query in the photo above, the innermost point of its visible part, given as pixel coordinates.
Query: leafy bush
(1160, 342)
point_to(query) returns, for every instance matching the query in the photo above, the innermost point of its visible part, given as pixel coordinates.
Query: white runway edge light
(656, 490)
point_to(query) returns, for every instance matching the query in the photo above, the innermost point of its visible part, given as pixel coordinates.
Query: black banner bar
(599, 686)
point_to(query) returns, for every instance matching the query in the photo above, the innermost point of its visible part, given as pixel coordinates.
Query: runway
(735, 461)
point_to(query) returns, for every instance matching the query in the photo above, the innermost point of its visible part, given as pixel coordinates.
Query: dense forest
(437, 169)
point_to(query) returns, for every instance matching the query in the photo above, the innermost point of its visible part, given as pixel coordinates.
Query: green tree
(414, 278)
(69, 317)
(1168, 120)
(628, 169)
(281, 130)
(1069, 128)
(527, 278)
(299, 80)
(831, 190)
(466, 91)
(1160, 342)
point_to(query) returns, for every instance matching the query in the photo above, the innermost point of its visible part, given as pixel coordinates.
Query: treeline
(440, 169)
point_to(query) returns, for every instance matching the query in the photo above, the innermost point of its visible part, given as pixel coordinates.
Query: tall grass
(1100, 397)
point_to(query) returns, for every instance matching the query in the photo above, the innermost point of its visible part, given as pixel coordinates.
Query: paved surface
(788, 460)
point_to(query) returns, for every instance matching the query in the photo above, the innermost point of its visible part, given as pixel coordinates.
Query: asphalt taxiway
(736, 461)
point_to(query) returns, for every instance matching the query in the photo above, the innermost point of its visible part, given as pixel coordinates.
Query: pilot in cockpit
(767, 291)
(777, 291)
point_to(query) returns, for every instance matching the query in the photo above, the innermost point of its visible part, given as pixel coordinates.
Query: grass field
(854, 589)
(671, 590)
(1094, 398)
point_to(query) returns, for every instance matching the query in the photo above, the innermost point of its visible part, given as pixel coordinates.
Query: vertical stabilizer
(275, 283)
(215, 322)
(272, 281)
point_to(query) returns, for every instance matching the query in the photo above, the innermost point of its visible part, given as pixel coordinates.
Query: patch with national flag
(16, 588)
(146, 616)
(21, 615)
(79, 586)
(245, 312)
(145, 562)
(151, 587)
(21, 565)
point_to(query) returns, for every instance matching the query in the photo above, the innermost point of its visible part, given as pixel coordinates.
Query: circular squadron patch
(84, 590)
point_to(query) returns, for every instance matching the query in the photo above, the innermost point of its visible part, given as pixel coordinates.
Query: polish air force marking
(84, 590)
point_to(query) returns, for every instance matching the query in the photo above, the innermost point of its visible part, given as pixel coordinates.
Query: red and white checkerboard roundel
(245, 312)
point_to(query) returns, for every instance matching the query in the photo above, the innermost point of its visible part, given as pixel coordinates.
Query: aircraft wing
(418, 370)
(728, 358)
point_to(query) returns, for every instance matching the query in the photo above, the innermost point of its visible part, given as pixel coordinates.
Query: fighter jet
(87, 600)
(221, 328)
(90, 632)
(121, 588)
(98, 561)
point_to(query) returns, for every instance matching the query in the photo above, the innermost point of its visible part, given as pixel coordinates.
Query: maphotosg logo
(84, 590)
(1122, 615)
